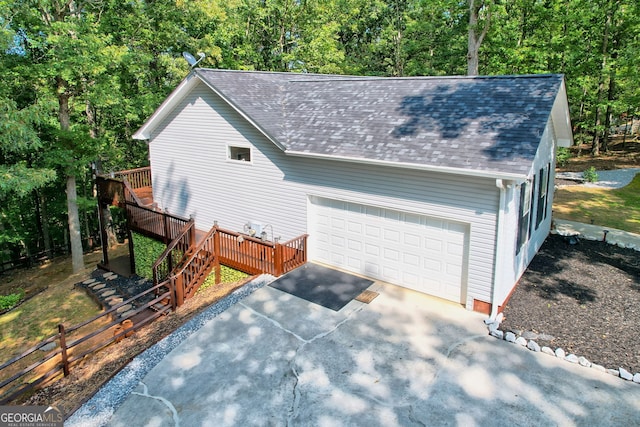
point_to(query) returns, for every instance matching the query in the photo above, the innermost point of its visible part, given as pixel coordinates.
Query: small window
(242, 154)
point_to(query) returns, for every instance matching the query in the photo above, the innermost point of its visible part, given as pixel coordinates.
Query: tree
(479, 21)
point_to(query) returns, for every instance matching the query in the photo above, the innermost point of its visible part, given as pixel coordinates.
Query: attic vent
(242, 154)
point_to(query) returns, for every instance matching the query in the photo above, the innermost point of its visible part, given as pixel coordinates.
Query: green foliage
(227, 275)
(562, 156)
(590, 175)
(7, 302)
(146, 252)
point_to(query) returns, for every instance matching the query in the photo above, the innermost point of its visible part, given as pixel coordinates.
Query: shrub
(7, 302)
(590, 175)
(563, 155)
(146, 252)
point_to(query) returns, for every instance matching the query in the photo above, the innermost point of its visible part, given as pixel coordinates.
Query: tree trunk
(75, 235)
(108, 227)
(604, 78)
(474, 38)
(607, 119)
(74, 225)
(46, 233)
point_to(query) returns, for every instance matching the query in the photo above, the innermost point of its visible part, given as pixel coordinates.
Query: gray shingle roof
(474, 123)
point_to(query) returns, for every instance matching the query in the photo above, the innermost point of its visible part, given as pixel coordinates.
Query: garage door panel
(372, 230)
(412, 240)
(391, 255)
(416, 251)
(391, 236)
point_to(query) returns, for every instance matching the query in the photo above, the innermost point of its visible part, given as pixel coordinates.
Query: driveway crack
(167, 403)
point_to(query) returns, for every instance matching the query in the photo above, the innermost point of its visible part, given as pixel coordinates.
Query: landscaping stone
(533, 346)
(521, 341)
(584, 362)
(613, 372)
(548, 350)
(572, 358)
(88, 281)
(112, 277)
(636, 378)
(493, 326)
(598, 367)
(107, 293)
(529, 335)
(49, 346)
(510, 336)
(560, 353)
(98, 287)
(127, 313)
(114, 300)
(626, 375)
(124, 308)
(107, 274)
(497, 333)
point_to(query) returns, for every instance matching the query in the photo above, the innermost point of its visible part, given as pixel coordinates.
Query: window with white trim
(241, 154)
(524, 214)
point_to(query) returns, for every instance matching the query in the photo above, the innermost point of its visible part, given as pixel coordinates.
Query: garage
(419, 252)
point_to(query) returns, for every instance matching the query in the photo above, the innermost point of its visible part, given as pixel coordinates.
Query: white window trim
(232, 160)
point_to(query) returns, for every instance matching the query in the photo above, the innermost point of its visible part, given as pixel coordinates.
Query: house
(439, 184)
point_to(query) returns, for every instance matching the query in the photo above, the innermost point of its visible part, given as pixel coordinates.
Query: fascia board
(516, 178)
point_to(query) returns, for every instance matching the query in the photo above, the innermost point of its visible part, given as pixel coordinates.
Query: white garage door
(415, 251)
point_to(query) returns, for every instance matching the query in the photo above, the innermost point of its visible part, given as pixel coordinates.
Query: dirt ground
(584, 298)
(621, 155)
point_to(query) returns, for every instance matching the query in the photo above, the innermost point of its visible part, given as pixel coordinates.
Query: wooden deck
(191, 253)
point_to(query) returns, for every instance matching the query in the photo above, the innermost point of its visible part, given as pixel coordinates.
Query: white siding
(192, 176)
(518, 263)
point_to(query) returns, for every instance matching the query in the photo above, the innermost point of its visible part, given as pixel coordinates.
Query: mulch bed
(584, 298)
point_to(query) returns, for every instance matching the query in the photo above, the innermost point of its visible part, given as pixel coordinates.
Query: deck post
(179, 290)
(63, 350)
(278, 260)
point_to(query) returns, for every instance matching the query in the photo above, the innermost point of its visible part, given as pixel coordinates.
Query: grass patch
(616, 208)
(227, 275)
(37, 318)
(7, 302)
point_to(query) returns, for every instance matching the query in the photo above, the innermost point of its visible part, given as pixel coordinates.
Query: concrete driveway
(273, 359)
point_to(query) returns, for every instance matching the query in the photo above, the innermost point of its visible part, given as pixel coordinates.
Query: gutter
(497, 265)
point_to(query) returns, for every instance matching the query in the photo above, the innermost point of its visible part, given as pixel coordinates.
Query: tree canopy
(80, 76)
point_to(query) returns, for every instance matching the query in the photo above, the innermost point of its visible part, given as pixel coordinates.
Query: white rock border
(558, 352)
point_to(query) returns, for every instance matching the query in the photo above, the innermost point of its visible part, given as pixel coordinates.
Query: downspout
(497, 265)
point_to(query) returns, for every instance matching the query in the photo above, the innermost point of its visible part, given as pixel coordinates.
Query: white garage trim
(410, 249)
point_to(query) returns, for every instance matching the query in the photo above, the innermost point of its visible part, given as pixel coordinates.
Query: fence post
(278, 260)
(63, 350)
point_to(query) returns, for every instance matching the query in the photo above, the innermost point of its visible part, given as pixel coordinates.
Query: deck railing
(173, 256)
(29, 369)
(155, 224)
(255, 256)
(137, 178)
(194, 268)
